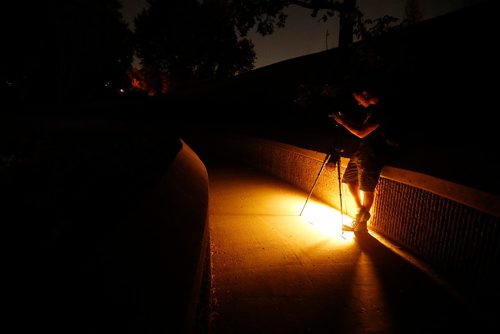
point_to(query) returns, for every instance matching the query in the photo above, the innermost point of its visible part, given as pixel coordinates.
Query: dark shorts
(363, 170)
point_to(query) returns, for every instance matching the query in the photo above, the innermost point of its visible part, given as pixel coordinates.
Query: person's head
(365, 97)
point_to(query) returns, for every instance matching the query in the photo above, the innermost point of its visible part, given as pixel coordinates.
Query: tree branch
(319, 4)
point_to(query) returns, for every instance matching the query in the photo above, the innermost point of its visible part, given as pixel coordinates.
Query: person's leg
(368, 198)
(350, 178)
(359, 222)
(356, 195)
(367, 190)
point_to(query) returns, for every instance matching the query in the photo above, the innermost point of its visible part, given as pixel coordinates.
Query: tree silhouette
(413, 12)
(189, 41)
(266, 15)
(201, 39)
(64, 50)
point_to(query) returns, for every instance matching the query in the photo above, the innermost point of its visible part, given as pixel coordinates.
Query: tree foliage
(200, 39)
(266, 15)
(63, 50)
(190, 40)
(74, 49)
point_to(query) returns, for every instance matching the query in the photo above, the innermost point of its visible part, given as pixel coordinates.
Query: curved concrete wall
(175, 214)
(180, 204)
(105, 228)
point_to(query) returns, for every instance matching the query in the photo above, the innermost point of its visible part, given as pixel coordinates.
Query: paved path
(275, 271)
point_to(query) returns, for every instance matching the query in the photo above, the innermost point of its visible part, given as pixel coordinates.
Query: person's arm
(359, 131)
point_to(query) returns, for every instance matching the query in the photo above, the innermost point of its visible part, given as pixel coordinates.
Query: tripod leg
(316, 181)
(340, 195)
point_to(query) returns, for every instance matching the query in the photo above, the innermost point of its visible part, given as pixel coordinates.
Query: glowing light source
(326, 219)
(320, 219)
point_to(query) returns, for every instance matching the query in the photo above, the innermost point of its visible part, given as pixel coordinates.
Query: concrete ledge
(301, 166)
(484, 202)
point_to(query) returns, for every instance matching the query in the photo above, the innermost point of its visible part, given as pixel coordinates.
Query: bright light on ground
(326, 219)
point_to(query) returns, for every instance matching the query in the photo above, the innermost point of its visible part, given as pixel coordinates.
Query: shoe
(364, 216)
(348, 228)
(360, 227)
(355, 227)
(359, 222)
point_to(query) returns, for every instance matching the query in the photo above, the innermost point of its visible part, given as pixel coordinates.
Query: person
(369, 157)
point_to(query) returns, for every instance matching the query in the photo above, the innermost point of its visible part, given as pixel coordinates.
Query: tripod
(332, 156)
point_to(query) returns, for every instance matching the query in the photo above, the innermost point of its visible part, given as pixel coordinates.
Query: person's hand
(336, 118)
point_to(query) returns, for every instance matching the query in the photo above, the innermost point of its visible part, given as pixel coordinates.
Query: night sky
(304, 34)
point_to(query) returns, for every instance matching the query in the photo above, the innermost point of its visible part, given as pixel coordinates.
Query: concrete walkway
(277, 269)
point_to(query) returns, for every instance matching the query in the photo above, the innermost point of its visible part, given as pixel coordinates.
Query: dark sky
(304, 35)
